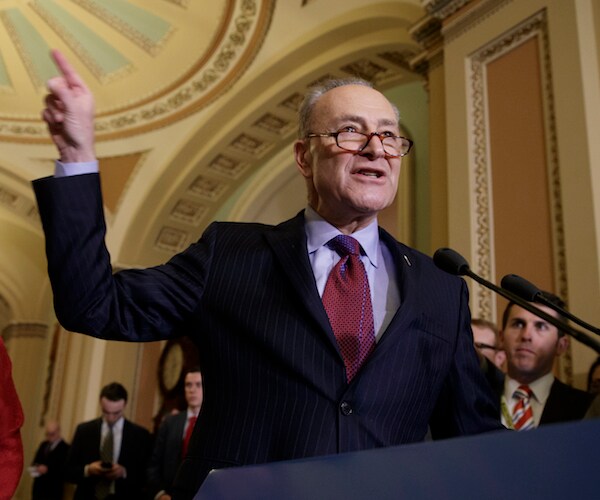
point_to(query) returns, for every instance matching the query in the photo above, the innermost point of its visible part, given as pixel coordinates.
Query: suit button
(345, 408)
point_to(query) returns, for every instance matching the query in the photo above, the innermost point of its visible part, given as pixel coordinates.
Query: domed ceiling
(135, 56)
(196, 112)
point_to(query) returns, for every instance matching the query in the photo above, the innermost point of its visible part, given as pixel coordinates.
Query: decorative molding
(16, 25)
(207, 188)
(253, 144)
(19, 205)
(70, 30)
(428, 34)
(181, 3)
(472, 17)
(189, 212)
(274, 124)
(18, 331)
(292, 102)
(535, 26)
(481, 169)
(110, 15)
(243, 27)
(442, 9)
(228, 166)
(242, 40)
(171, 240)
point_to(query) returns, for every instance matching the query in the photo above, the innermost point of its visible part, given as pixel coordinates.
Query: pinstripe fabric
(274, 382)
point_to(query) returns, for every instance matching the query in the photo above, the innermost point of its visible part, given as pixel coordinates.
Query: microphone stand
(517, 285)
(464, 269)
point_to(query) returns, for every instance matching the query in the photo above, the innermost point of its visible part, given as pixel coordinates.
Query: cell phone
(106, 465)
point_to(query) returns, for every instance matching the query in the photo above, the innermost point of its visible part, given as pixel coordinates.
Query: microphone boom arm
(576, 334)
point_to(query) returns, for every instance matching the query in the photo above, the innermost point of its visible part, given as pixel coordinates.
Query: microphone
(454, 263)
(528, 291)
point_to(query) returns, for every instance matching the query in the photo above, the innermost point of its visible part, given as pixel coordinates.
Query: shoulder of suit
(175, 419)
(90, 424)
(132, 425)
(560, 388)
(411, 256)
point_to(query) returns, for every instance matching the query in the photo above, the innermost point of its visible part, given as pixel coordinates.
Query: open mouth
(370, 173)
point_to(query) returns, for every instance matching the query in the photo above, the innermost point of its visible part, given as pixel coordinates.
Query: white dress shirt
(377, 259)
(541, 390)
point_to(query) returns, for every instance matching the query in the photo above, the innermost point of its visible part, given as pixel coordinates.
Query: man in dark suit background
(277, 384)
(49, 462)
(172, 438)
(98, 476)
(532, 345)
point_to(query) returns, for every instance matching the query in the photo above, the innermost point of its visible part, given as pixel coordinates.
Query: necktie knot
(344, 245)
(523, 392)
(522, 412)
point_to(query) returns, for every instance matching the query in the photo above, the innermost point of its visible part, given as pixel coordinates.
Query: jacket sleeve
(467, 404)
(132, 305)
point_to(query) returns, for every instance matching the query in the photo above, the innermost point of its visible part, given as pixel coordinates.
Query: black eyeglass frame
(368, 138)
(481, 345)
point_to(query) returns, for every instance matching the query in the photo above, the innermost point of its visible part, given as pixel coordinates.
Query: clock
(177, 357)
(170, 366)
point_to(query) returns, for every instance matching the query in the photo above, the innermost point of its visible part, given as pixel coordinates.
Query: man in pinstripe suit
(275, 384)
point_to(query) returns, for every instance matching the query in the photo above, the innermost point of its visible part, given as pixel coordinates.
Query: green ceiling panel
(133, 20)
(99, 55)
(32, 48)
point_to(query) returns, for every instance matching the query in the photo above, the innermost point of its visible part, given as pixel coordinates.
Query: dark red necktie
(347, 300)
(188, 435)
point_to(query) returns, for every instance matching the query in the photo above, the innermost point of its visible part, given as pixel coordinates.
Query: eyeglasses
(481, 345)
(355, 142)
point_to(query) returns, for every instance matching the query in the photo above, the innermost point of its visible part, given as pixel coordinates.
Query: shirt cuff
(68, 169)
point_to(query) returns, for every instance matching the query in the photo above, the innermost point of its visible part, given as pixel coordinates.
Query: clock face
(172, 366)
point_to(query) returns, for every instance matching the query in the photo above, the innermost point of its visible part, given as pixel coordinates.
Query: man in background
(172, 439)
(532, 395)
(108, 456)
(485, 338)
(48, 465)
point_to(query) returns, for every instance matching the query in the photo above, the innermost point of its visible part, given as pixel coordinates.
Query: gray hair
(315, 92)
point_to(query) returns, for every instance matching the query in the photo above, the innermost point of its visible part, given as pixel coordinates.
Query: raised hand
(69, 113)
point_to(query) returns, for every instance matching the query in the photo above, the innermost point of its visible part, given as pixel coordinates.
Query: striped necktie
(104, 486)
(522, 413)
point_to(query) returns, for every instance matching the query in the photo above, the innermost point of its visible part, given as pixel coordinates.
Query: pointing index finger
(67, 71)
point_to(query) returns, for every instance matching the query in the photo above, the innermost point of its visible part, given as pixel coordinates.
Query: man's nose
(374, 146)
(526, 332)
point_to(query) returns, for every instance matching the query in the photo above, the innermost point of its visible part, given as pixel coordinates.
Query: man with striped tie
(532, 396)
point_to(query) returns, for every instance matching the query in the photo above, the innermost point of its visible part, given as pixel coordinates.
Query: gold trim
(535, 26)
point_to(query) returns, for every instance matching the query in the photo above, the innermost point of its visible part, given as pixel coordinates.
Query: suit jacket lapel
(404, 277)
(288, 241)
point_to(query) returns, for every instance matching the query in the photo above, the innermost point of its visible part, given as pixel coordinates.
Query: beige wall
(521, 84)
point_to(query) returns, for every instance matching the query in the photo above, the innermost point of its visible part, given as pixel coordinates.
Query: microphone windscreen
(520, 287)
(450, 261)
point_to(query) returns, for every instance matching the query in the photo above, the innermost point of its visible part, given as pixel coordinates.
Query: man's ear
(302, 156)
(562, 345)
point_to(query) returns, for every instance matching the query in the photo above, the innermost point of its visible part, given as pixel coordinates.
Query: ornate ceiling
(146, 66)
(196, 111)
